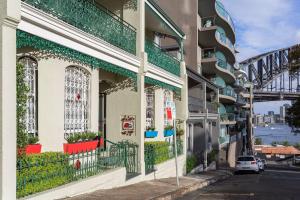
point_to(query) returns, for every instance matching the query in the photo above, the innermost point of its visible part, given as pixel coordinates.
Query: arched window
(31, 77)
(77, 100)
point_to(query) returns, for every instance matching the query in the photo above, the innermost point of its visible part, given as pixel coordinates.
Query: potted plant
(81, 142)
(33, 147)
(72, 145)
(169, 131)
(151, 133)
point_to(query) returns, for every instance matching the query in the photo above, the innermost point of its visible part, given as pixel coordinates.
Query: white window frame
(31, 78)
(77, 100)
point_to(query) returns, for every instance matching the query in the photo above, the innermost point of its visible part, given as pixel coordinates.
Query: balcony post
(141, 116)
(140, 40)
(10, 17)
(204, 97)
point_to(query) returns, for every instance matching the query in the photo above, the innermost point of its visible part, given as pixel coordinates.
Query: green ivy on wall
(22, 91)
(25, 39)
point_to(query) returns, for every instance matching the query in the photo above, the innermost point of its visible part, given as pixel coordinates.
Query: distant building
(282, 114)
(269, 119)
(258, 119)
(271, 113)
(277, 118)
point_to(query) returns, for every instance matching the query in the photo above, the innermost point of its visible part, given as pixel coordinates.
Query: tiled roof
(281, 150)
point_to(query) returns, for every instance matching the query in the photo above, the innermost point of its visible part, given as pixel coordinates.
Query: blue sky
(264, 25)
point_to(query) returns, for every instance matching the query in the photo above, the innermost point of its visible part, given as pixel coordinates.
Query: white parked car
(246, 163)
(260, 164)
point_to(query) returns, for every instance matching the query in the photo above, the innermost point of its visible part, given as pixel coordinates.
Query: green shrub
(22, 90)
(160, 150)
(169, 127)
(39, 172)
(212, 156)
(191, 163)
(33, 139)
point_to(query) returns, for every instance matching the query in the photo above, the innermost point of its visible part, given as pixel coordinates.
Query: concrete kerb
(193, 187)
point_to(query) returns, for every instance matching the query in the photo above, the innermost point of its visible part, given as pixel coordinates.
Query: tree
(258, 141)
(293, 115)
(297, 146)
(274, 143)
(285, 143)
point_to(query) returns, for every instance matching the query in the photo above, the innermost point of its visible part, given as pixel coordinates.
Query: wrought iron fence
(49, 170)
(92, 18)
(155, 154)
(161, 59)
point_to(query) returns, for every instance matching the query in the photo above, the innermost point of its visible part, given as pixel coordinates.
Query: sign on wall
(128, 125)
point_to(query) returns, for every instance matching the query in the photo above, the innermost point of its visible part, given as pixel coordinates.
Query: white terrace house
(90, 65)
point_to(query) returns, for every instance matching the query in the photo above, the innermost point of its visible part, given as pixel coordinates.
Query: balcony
(225, 41)
(241, 101)
(214, 63)
(196, 105)
(91, 18)
(212, 107)
(223, 13)
(228, 92)
(224, 139)
(227, 118)
(158, 57)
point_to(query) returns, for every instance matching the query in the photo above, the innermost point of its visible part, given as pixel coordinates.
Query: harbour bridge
(271, 78)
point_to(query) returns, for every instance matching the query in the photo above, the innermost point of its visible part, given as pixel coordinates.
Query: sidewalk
(157, 189)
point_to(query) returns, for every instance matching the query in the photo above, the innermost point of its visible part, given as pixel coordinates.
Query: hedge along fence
(158, 152)
(39, 172)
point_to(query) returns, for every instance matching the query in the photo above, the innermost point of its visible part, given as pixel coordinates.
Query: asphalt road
(269, 185)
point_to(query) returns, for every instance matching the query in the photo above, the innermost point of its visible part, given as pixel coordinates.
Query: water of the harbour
(277, 133)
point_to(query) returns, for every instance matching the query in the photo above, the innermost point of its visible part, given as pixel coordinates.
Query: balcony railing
(223, 39)
(227, 117)
(91, 18)
(241, 100)
(195, 105)
(222, 12)
(211, 53)
(224, 140)
(212, 107)
(228, 92)
(158, 57)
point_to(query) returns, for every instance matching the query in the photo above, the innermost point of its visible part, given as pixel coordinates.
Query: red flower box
(80, 147)
(33, 149)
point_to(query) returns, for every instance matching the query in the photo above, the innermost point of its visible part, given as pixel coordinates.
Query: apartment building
(209, 51)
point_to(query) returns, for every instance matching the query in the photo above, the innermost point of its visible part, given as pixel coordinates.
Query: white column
(9, 16)
(184, 111)
(141, 117)
(140, 32)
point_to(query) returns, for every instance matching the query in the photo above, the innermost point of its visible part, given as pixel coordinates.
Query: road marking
(283, 171)
(227, 194)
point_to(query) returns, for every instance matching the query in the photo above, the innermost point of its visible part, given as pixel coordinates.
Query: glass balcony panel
(224, 139)
(223, 12)
(195, 105)
(158, 57)
(224, 39)
(91, 18)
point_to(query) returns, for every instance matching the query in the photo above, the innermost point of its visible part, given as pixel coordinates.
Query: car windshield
(245, 159)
